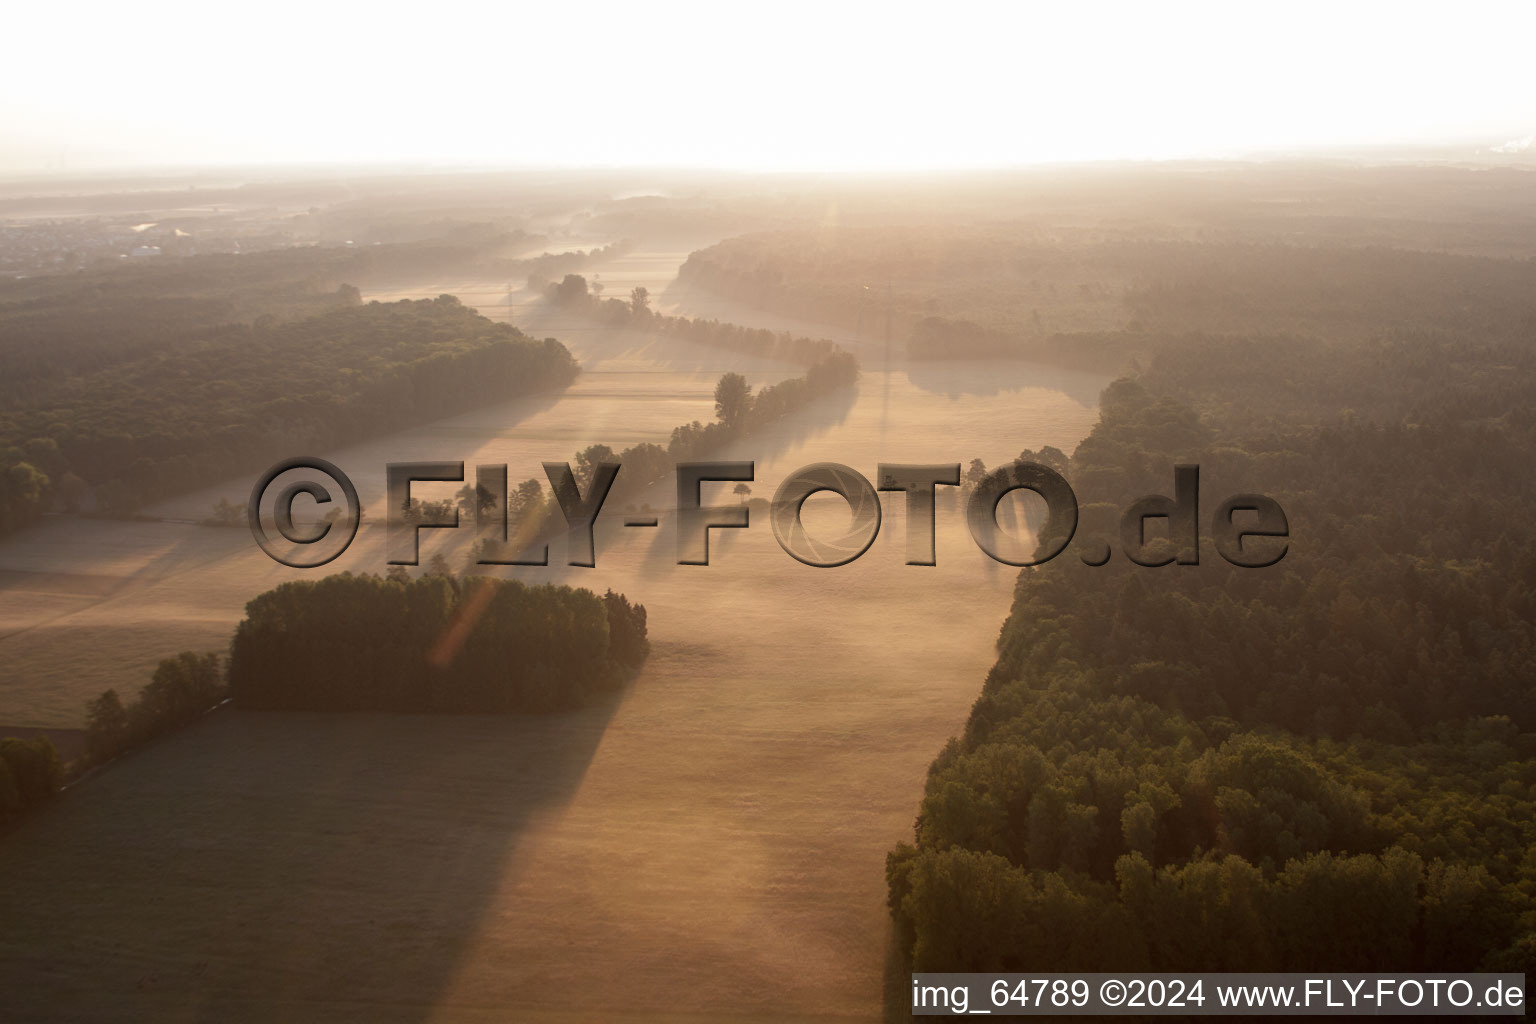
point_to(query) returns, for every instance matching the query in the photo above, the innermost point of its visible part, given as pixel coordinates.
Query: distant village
(31, 247)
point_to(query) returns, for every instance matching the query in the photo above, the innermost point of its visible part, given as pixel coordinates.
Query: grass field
(699, 846)
(707, 847)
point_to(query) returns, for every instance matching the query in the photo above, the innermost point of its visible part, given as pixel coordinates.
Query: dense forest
(95, 417)
(1102, 298)
(1329, 763)
(432, 644)
(438, 643)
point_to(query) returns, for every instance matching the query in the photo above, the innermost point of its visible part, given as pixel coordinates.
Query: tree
(474, 499)
(106, 725)
(572, 291)
(24, 483)
(35, 767)
(975, 474)
(525, 501)
(733, 399)
(627, 644)
(227, 513)
(743, 491)
(182, 688)
(640, 301)
(334, 515)
(398, 574)
(588, 459)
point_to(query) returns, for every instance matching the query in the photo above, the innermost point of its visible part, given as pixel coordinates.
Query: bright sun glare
(756, 86)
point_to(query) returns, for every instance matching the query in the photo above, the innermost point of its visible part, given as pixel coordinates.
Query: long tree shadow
(364, 456)
(261, 865)
(792, 431)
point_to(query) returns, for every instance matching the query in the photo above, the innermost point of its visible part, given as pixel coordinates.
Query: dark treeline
(438, 643)
(117, 311)
(738, 411)
(575, 292)
(30, 775)
(182, 689)
(758, 341)
(93, 423)
(539, 269)
(432, 644)
(533, 515)
(1325, 764)
(1098, 298)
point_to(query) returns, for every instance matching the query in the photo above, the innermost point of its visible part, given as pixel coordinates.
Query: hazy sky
(753, 85)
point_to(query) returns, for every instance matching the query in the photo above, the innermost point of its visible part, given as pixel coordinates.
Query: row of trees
(181, 690)
(533, 513)
(738, 411)
(542, 268)
(574, 292)
(432, 644)
(969, 910)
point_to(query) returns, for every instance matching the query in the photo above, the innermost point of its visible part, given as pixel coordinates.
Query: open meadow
(709, 844)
